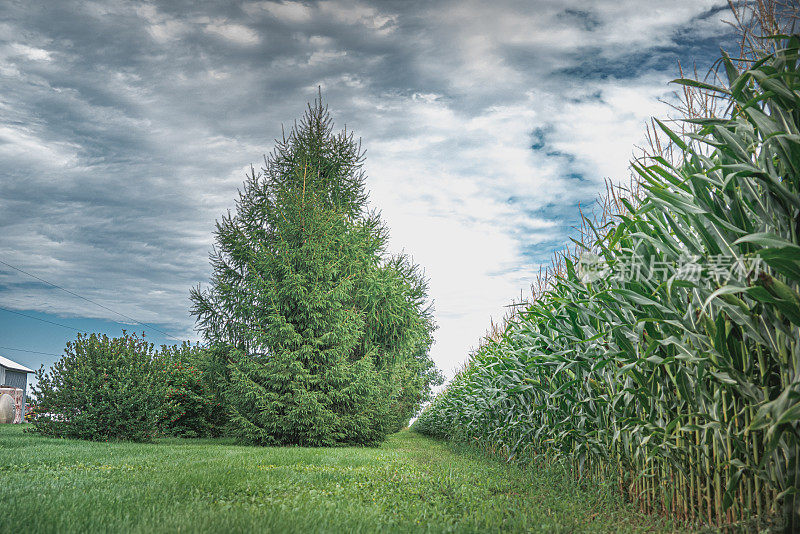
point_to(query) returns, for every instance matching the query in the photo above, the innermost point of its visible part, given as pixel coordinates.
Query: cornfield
(664, 357)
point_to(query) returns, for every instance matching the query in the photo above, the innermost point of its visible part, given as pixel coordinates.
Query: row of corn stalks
(665, 357)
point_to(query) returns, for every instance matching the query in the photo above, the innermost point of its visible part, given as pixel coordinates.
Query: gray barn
(16, 376)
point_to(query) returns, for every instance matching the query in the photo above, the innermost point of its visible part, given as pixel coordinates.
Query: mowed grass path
(410, 484)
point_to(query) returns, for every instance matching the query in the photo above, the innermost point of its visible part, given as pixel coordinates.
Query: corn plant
(681, 386)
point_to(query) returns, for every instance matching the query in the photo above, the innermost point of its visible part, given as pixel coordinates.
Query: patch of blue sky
(34, 341)
(687, 47)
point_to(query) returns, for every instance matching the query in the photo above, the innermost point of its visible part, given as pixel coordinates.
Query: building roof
(14, 366)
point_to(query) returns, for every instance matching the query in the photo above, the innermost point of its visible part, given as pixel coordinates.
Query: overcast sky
(126, 128)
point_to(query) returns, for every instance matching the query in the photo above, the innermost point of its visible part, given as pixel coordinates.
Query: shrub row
(122, 388)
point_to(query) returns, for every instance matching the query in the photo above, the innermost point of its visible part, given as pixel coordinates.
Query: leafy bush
(190, 407)
(101, 389)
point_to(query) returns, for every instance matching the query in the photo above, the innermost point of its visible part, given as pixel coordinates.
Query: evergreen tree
(322, 335)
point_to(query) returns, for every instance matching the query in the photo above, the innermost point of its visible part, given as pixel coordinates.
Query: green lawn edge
(411, 483)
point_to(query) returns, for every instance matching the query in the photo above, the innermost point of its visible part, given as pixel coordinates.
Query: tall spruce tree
(324, 337)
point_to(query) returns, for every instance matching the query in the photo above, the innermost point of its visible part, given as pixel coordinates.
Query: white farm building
(14, 382)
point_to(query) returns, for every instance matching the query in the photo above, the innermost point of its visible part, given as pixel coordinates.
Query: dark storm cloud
(125, 127)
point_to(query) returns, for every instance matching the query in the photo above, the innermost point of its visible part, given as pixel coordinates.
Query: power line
(40, 319)
(31, 351)
(88, 300)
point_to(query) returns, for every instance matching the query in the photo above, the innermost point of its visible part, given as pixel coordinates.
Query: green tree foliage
(323, 337)
(101, 389)
(191, 407)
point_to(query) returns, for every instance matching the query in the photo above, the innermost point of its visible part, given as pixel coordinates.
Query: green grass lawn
(409, 484)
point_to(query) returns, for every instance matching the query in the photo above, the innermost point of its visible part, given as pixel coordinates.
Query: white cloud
(134, 146)
(162, 27)
(238, 33)
(29, 52)
(325, 56)
(350, 12)
(24, 145)
(292, 12)
(168, 30)
(630, 23)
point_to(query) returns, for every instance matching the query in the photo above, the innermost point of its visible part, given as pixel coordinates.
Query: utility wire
(31, 351)
(88, 300)
(40, 319)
